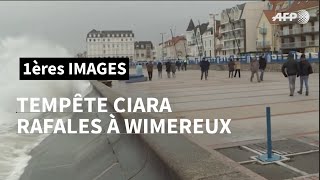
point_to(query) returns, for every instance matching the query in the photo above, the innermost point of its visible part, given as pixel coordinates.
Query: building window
(90, 35)
(142, 55)
(94, 40)
(121, 39)
(104, 51)
(142, 46)
(104, 46)
(89, 40)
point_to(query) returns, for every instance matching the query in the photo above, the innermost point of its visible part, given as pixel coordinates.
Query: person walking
(304, 70)
(168, 68)
(150, 70)
(185, 65)
(290, 69)
(254, 67)
(203, 68)
(178, 64)
(173, 69)
(159, 67)
(207, 63)
(231, 68)
(262, 66)
(238, 67)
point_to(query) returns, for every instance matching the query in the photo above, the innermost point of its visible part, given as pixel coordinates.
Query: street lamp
(162, 46)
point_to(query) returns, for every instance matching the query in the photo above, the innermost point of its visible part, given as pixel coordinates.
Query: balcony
(299, 44)
(231, 38)
(231, 47)
(238, 27)
(296, 31)
(263, 45)
(219, 46)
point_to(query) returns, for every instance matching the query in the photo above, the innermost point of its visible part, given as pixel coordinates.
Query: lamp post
(214, 34)
(162, 46)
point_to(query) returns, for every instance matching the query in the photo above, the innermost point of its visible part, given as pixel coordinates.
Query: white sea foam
(14, 148)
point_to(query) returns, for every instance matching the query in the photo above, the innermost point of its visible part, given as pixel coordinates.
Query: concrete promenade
(244, 102)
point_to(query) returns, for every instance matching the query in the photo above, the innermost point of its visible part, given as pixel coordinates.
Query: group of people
(171, 68)
(255, 67)
(292, 69)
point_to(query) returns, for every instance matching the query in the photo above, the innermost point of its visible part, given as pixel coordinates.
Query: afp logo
(302, 16)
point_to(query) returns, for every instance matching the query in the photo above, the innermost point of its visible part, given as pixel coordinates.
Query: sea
(15, 148)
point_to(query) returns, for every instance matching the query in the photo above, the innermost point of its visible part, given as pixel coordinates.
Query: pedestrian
(238, 67)
(150, 70)
(207, 65)
(254, 67)
(231, 68)
(185, 65)
(262, 66)
(202, 67)
(168, 68)
(173, 69)
(178, 64)
(290, 69)
(304, 70)
(159, 67)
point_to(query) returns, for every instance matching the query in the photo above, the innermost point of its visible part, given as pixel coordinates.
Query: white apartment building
(143, 51)
(239, 27)
(203, 39)
(303, 38)
(110, 44)
(194, 37)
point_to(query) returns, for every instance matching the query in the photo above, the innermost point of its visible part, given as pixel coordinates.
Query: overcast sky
(67, 23)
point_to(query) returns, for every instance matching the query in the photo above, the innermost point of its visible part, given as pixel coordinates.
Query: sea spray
(14, 148)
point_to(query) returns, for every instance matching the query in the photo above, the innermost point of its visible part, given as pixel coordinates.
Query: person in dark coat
(305, 69)
(185, 65)
(203, 67)
(159, 67)
(207, 63)
(168, 68)
(290, 70)
(178, 64)
(262, 66)
(231, 68)
(173, 69)
(150, 69)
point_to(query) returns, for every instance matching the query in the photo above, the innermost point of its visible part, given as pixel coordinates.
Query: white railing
(300, 44)
(265, 44)
(306, 29)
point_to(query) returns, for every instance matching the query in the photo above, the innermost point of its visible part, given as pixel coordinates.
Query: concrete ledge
(186, 160)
